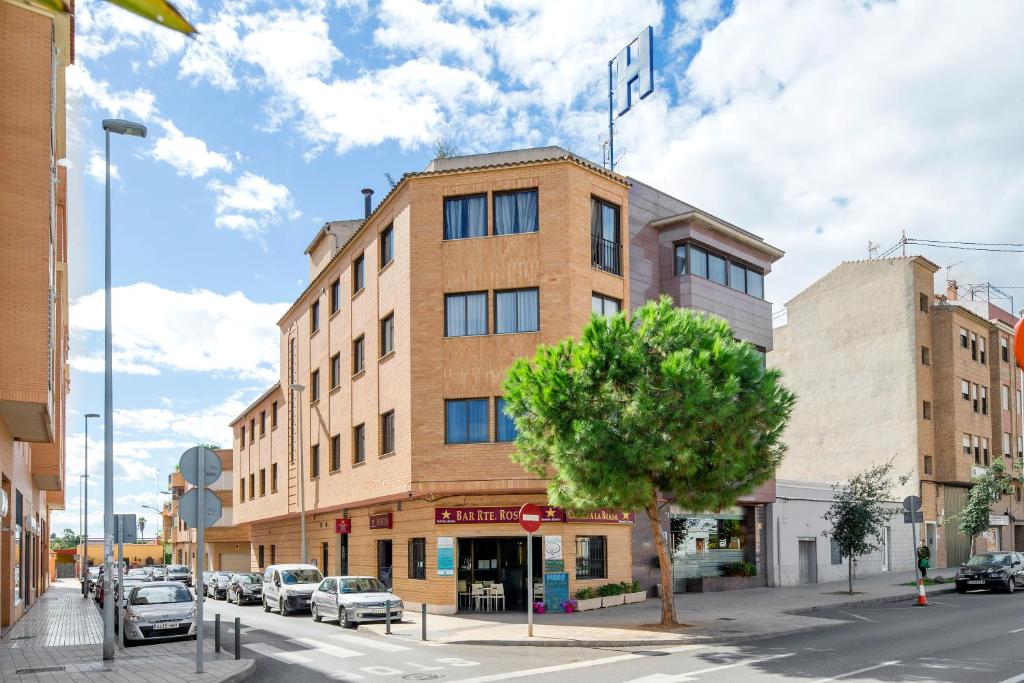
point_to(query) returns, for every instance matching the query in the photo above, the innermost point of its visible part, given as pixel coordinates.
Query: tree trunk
(668, 607)
(849, 565)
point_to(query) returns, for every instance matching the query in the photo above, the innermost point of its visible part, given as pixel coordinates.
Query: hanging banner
(445, 556)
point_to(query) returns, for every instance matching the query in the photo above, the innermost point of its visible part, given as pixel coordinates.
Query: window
(504, 425)
(466, 421)
(387, 431)
(737, 277)
(417, 558)
(963, 338)
(977, 450)
(387, 246)
(314, 461)
(335, 374)
(516, 311)
(314, 386)
(698, 261)
(1004, 349)
(387, 335)
(273, 554)
(967, 444)
(1018, 494)
(716, 268)
(335, 296)
(358, 274)
(926, 356)
(928, 464)
(1005, 397)
(260, 555)
(974, 396)
(252, 430)
(273, 415)
(755, 283)
(359, 444)
(242, 440)
(1020, 446)
(357, 356)
(835, 551)
(263, 422)
(465, 217)
(252, 486)
(965, 389)
(515, 212)
(605, 246)
(923, 302)
(241, 489)
(680, 259)
(335, 452)
(604, 305)
(1006, 444)
(984, 400)
(263, 481)
(984, 448)
(982, 345)
(974, 346)
(926, 410)
(314, 317)
(465, 314)
(591, 557)
(273, 477)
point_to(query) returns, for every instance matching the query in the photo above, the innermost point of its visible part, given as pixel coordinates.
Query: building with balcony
(35, 47)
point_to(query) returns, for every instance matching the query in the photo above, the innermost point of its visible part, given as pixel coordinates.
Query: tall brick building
(35, 47)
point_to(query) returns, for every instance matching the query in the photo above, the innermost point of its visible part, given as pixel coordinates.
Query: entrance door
(384, 564)
(931, 539)
(325, 556)
(342, 555)
(499, 560)
(808, 560)
(886, 542)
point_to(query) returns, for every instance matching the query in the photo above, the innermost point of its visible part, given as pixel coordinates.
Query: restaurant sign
(381, 520)
(343, 526)
(496, 514)
(600, 517)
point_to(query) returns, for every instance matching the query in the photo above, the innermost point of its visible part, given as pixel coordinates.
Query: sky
(820, 126)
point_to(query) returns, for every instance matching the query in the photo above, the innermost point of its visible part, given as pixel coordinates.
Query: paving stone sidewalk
(710, 617)
(61, 639)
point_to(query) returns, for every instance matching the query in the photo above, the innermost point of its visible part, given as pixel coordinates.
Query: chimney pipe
(952, 290)
(367, 201)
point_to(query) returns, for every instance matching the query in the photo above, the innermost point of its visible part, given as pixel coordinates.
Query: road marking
(688, 676)
(858, 671)
(332, 650)
(857, 616)
(268, 650)
(1017, 630)
(368, 642)
(526, 673)
(1015, 679)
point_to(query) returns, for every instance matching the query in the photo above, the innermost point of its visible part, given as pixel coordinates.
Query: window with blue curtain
(698, 262)
(716, 269)
(466, 420)
(516, 311)
(465, 314)
(465, 217)
(515, 212)
(506, 426)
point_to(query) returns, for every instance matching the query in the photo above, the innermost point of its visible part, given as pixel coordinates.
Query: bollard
(423, 621)
(216, 632)
(387, 616)
(238, 637)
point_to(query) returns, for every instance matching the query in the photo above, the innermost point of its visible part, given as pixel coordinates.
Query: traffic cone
(922, 599)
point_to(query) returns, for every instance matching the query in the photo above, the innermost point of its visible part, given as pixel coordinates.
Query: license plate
(976, 582)
(166, 624)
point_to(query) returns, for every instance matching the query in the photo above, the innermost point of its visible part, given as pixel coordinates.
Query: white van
(288, 587)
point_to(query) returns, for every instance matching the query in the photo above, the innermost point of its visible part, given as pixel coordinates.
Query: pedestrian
(924, 556)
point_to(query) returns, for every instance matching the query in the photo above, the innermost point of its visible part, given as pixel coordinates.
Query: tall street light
(120, 127)
(85, 510)
(298, 388)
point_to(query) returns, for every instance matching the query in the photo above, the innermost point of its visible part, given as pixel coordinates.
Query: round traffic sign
(529, 517)
(912, 504)
(200, 459)
(189, 502)
(1018, 342)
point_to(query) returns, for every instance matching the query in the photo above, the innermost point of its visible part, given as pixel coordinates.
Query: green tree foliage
(68, 539)
(989, 486)
(142, 527)
(667, 402)
(860, 510)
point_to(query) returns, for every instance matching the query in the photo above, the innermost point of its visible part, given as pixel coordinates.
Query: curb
(870, 601)
(640, 642)
(245, 674)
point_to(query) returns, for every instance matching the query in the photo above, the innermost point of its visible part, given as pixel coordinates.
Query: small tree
(68, 539)
(667, 402)
(142, 527)
(860, 510)
(989, 487)
(444, 148)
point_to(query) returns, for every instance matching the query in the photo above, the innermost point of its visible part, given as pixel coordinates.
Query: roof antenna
(872, 249)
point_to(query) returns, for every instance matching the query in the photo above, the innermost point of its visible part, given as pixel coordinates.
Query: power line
(962, 248)
(984, 244)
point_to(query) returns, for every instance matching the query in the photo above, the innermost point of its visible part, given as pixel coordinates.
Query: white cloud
(97, 168)
(196, 331)
(209, 424)
(188, 155)
(695, 16)
(140, 103)
(252, 203)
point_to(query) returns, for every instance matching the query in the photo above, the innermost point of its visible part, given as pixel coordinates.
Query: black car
(245, 587)
(995, 570)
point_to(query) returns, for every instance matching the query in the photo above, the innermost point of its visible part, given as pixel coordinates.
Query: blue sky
(820, 126)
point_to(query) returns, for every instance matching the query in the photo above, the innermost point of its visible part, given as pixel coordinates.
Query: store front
(494, 561)
(707, 547)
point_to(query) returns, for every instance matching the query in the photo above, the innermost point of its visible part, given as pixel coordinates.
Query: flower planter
(612, 600)
(635, 597)
(588, 604)
(538, 608)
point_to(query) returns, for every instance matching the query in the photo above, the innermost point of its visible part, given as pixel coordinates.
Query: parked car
(157, 611)
(245, 587)
(179, 572)
(354, 599)
(139, 573)
(122, 595)
(91, 576)
(157, 572)
(216, 585)
(995, 570)
(288, 587)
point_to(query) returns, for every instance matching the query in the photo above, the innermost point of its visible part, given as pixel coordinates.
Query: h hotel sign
(343, 526)
(381, 520)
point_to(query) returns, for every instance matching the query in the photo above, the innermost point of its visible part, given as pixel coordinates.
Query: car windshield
(223, 576)
(160, 595)
(137, 572)
(301, 576)
(362, 584)
(991, 558)
(178, 569)
(249, 578)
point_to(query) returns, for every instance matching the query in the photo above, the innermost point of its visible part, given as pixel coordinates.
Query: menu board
(556, 591)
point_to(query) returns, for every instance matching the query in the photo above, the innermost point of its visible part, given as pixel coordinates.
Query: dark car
(245, 587)
(215, 584)
(994, 571)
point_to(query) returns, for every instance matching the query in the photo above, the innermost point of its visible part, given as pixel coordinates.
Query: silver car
(158, 611)
(354, 599)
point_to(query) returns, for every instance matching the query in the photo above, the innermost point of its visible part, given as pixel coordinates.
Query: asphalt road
(976, 638)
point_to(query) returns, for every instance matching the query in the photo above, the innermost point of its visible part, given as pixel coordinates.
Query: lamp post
(120, 127)
(85, 511)
(298, 388)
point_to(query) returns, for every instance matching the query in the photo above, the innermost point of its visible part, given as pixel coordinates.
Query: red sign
(599, 517)
(381, 520)
(529, 517)
(1018, 342)
(504, 514)
(343, 526)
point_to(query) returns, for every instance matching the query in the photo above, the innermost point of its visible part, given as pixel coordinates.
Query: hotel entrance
(492, 573)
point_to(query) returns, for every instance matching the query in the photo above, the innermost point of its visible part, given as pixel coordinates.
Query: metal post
(423, 621)
(611, 139)
(200, 523)
(238, 637)
(387, 616)
(216, 632)
(529, 571)
(913, 535)
(120, 580)
(85, 515)
(108, 437)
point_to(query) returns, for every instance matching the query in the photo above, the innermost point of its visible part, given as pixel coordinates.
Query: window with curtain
(417, 558)
(314, 317)
(387, 246)
(604, 305)
(387, 432)
(605, 246)
(515, 212)
(465, 217)
(698, 261)
(335, 296)
(359, 444)
(358, 274)
(680, 259)
(465, 314)
(755, 283)
(466, 421)
(737, 277)
(335, 452)
(387, 335)
(516, 310)
(357, 356)
(716, 269)
(505, 426)
(314, 461)
(591, 557)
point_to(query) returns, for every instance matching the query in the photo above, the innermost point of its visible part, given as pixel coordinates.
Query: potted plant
(569, 606)
(538, 608)
(633, 593)
(587, 599)
(611, 595)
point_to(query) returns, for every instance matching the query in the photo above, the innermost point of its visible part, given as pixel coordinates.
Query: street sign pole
(200, 517)
(529, 582)
(913, 534)
(120, 578)
(911, 512)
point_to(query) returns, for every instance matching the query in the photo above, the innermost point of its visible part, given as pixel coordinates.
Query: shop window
(591, 557)
(418, 558)
(703, 544)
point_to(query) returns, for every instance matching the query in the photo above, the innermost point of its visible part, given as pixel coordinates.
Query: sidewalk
(61, 638)
(709, 617)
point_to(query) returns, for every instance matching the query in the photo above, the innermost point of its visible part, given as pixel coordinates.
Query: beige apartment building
(884, 369)
(35, 47)
(401, 343)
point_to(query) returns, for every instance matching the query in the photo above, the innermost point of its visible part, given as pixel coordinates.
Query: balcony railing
(606, 255)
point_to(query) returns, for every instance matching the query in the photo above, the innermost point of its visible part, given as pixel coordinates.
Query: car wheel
(342, 618)
(266, 605)
(315, 614)
(961, 589)
(281, 607)
(1011, 585)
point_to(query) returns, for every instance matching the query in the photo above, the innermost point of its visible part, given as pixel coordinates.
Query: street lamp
(298, 388)
(85, 510)
(119, 127)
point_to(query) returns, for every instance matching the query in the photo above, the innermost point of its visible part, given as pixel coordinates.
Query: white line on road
(688, 676)
(858, 671)
(1015, 679)
(371, 643)
(333, 650)
(857, 616)
(268, 650)
(1017, 630)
